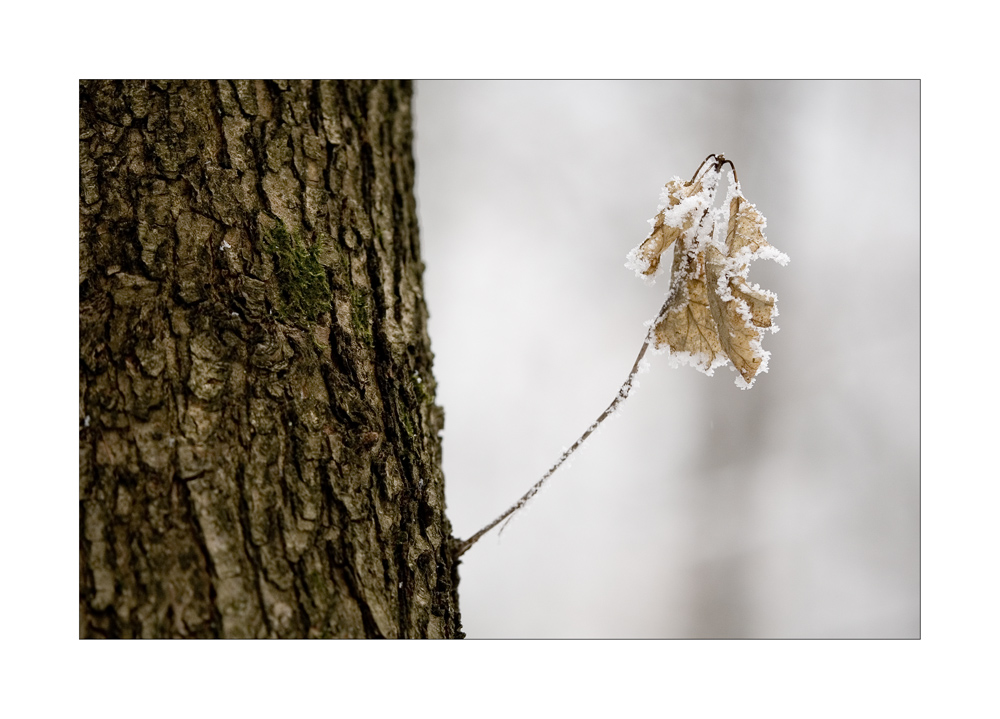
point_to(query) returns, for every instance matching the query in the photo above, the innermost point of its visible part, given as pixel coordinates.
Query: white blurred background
(789, 510)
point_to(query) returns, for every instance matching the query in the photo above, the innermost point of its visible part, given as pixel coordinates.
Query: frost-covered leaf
(713, 314)
(741, 311)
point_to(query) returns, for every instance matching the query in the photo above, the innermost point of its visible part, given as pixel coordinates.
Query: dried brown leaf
(713, 315)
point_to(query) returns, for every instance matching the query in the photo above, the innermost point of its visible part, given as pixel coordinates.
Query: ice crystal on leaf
(680, 204)
(713, 315)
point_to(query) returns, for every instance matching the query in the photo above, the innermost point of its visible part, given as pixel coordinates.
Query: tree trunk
(259, 441)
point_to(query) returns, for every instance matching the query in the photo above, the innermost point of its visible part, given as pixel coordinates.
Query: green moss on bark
(305, 290)
(359, 318)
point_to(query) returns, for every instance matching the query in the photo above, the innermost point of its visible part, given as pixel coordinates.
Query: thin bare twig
(462, 547)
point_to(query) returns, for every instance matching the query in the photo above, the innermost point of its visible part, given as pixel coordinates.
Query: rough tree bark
(259, 441)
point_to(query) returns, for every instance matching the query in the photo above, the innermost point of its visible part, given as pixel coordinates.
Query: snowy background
(789, 510)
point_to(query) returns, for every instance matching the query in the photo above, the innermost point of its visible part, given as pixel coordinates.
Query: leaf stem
(720, 160)
(461, 547)
(703, 162)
